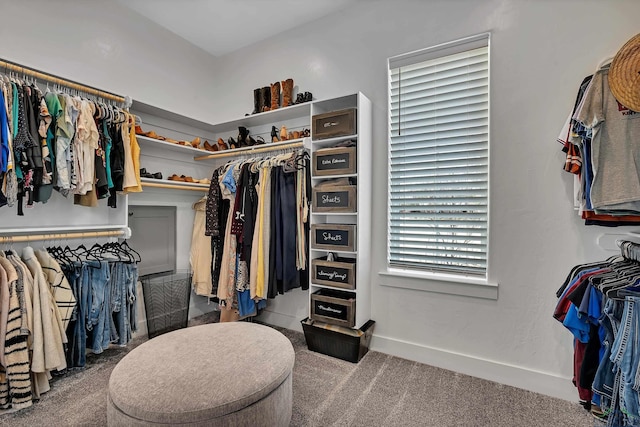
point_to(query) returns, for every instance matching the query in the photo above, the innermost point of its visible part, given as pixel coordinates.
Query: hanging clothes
(200, 256)
(259, 246)
(598, 304)
(598, 138)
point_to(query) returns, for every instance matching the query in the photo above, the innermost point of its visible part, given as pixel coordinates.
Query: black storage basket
(336, 344)
(166, 301)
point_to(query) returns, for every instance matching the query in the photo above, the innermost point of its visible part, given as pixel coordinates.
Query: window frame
(455, 282)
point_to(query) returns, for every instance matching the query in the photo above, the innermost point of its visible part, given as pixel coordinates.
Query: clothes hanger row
(55, 87)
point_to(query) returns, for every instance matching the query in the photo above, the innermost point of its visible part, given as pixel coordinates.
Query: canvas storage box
(333, 237)
(334, 124)
(334, 161)
(335, 341)
(334, 306)
(337, 199)
(340, 273)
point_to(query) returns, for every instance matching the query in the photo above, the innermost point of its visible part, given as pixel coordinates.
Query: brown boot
(287, 90)
(275, 95)
(265, 93)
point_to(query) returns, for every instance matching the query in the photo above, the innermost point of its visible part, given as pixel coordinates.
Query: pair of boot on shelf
(303, 97)
(243, 140)
(145, 174)
(283, 135)
(186, 178)
(271, 98)
(195, 143)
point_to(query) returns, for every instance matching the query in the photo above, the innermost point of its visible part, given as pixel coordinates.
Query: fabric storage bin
(334, 306)
(346, 344)
(166, 301)
(334, 124)
(340, 273)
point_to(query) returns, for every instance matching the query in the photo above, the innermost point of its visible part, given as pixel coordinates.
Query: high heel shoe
(232, 143)
(243, 133)
(283, 133)
(210, 147)
(222, 145)
(274, 134)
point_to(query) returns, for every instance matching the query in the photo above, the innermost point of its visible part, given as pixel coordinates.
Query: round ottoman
(231, 374)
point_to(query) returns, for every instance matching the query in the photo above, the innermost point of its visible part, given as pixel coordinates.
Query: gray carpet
(381, 390)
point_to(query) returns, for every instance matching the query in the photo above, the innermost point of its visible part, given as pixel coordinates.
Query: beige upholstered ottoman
(226, 374)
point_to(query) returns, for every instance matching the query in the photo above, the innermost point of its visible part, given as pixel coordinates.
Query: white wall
(540, 53)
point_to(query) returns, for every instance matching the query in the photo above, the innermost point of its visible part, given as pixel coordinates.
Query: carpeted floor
(381, 390)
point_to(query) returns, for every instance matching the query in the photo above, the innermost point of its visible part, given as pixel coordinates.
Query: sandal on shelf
(186, 178)
(232, 143)
(260, 140)
(210, 147)
(305, 133)
(222, 145)
(274, 134)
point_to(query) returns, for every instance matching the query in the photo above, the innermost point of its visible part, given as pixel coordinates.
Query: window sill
(439, 283)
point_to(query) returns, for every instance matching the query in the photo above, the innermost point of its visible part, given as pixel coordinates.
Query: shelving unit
(186, 160)
(361, 218)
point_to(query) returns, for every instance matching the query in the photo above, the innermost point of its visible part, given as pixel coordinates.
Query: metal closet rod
(59, 80)
(61, 236)
(245, 151)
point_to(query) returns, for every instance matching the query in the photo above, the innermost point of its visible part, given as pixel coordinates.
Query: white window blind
(439, 158)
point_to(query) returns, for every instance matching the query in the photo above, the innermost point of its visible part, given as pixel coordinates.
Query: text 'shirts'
(328, 236)
(330, 199)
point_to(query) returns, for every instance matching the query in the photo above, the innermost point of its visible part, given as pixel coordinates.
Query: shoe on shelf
(222, 145)
(260, 140)
(274, 134)
(157, 175)
(195, 143)
(283, 133)
(175, 177)
(232, 143)
(186, 178)
(305, 133)
(296, 134)
(210, 147)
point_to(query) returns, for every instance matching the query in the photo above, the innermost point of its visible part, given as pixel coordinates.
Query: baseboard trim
(281, 320)
(516, 376)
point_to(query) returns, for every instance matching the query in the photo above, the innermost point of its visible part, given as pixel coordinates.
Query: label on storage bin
(332, 237)
(333, 199)
(333, 161)
(334, 274)
(327, 309)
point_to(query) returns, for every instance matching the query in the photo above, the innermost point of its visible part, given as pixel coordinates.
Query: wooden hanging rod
(254, 149)
(58, 80)
(61, 236)
(174, 186)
